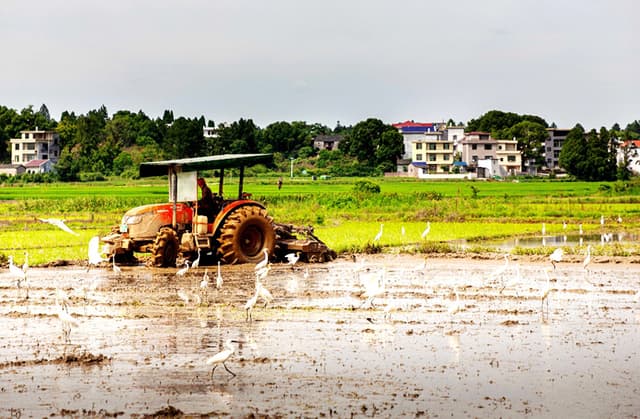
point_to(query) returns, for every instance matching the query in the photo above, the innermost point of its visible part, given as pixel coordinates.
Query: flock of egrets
(373, 286)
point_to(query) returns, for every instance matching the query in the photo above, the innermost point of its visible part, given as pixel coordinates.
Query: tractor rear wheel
(165, 248)
(244, 234)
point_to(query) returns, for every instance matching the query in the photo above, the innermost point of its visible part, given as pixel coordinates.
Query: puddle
(139, 348)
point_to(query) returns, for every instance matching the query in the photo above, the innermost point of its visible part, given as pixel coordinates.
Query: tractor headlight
(129, 220)
(133, 219)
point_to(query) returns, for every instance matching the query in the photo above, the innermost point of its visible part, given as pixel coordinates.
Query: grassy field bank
(457, 210)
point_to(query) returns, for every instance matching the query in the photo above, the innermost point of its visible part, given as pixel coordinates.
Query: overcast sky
(568, 61)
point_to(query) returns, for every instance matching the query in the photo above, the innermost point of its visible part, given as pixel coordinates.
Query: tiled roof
(35, 163)
(406, 124)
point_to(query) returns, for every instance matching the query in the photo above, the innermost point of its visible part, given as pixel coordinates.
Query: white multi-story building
(632, 150)
(35, 145)
(503, 154)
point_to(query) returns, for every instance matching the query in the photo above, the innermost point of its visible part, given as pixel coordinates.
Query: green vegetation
(345, 214)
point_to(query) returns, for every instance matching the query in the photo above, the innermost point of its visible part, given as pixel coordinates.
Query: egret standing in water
(251, 302)
(94, 252)
(219, 280)
(556, 256)
(544, 292)
(184, 270)
(221, 357)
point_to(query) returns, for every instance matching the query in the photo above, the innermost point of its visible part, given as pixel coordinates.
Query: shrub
(366, 187)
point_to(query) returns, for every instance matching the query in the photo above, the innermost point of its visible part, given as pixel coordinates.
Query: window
(432, 157)
(487, 146)
(418, 146)
(445, 146)
(445, 157)
(419, 156)
(455, 137)
(31, 146)
(432, 146)
(17, 147)
(511, 158)
(474, 146)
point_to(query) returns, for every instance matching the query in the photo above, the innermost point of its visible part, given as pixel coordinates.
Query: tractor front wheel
(165, 248)
(244, 234)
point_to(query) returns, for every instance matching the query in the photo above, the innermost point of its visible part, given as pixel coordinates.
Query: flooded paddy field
(381, 336)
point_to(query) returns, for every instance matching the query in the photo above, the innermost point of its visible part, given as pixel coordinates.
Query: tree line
(95, 144)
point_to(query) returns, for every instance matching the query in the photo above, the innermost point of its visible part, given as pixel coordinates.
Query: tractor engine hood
(145, 221)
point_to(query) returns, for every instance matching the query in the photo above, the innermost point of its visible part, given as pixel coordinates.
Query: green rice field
(473, 211)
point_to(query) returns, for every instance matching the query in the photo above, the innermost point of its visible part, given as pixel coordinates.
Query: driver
(206, 203)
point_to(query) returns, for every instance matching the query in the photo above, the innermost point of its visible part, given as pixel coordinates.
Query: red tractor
(236, 230)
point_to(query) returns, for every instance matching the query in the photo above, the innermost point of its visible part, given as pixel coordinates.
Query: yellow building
(433, 153)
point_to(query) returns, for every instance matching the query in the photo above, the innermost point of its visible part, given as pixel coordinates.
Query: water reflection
(564, 240)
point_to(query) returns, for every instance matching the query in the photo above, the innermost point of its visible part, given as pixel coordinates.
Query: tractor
(235, 231)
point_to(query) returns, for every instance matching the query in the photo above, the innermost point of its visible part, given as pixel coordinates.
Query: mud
(319, 349)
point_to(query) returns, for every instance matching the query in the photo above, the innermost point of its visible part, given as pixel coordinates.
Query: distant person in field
(280, 182)
(206, 203)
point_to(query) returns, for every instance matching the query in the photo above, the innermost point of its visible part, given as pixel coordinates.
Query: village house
(493, 157)
(35, 145)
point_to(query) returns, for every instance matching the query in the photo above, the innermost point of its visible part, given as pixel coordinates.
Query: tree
(589, 156)
(531, 137)
(238, 137)
(574, 150)
(496, 121)
(184, 138)
(373, 144)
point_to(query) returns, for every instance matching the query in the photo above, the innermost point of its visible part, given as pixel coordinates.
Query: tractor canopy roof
(221, 161)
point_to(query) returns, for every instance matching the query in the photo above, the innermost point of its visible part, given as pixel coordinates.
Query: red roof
(636, 143)
(412, 124)
(35, 163)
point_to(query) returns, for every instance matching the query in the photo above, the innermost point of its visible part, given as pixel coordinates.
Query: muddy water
(143, 337)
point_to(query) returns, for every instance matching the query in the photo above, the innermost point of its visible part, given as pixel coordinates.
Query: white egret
(403, 232)
(116, 268)
(544, 229)
(263, 293)
(564, 225)
(455, 306)
(580, 229)
(619, 219)
(292, 258)
(426, 230)
(263, 263)
(556, 256)
(94, 251)
(19, 274)
(379, 235)
(306, 273)
(219, 280)
(184, 296)
(544, 292)
(221, 357)
(374, 286)
(67, 321)
(587, 259)
(204, 284)
(262, 273)
(251, 302)
(58, 223)
(25, 265)
(184, 270)
(602, 220)
(196, 262)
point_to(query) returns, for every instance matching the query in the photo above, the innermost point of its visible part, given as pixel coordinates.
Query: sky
(567, 61)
